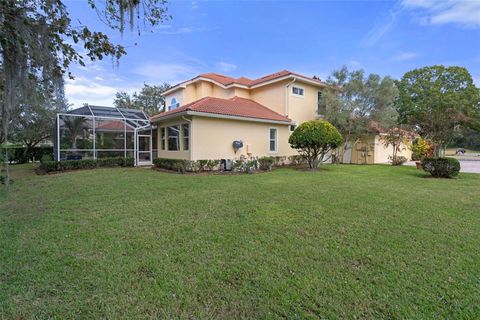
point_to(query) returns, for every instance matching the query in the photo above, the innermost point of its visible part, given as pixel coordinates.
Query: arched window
(173, 104)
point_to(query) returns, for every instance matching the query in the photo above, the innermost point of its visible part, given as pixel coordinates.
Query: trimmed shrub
(202, 164)
(399, 160)
(266, 163)
(172, 164)
(244, 165)
(314, 140)
(297, 160)
(211, 164)
(442, 167)
(46, 157)
(53, 166)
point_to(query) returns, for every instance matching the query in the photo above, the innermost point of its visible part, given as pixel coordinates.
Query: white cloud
(181, 30)
(172, 73)
(225, 66)
(354, 64)
(464, 13)
(81, 90)
(428, 12)
(404, 56)
(95, 85)
(380, 29)
(476, 79)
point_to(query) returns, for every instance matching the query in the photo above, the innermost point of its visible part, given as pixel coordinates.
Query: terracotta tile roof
(239, 107)
(113, 125)
(226, 80)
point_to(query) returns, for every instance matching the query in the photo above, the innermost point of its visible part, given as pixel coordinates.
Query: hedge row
(53, 166)
(441, 167)
(242, 165)
(22, 155)
(181, 165)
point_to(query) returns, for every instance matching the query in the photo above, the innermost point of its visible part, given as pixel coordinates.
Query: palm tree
(75, 126)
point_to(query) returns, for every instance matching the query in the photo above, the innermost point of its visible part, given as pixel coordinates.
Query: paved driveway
(472, 166)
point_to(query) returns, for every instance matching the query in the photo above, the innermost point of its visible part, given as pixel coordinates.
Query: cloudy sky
(252, 39)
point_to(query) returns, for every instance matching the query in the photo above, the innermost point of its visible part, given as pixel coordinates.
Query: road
(472, 166)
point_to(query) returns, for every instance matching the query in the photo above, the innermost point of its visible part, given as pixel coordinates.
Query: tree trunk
(5, 171)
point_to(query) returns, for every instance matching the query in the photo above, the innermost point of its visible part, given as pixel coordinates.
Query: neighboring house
(206, 114)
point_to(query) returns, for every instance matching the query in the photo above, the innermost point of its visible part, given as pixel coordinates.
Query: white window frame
(296, 94)
(164, 139)
(270, 140)
(179, 138)
(183, 136)
(321, 92)
(175, 105)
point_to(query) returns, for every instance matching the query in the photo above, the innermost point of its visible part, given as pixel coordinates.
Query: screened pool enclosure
(92, 132)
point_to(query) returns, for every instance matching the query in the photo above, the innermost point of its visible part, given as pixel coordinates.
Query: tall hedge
(442, 167)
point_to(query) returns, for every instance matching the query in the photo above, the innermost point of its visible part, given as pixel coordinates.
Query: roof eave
(220, 116)
(290, 76)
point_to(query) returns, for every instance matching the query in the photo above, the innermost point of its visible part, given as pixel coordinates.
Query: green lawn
(346, 242)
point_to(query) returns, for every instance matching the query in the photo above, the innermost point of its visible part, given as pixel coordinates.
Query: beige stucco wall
(212, 139)
(271, 96)
(278, 97)
(301, 109)
(274, 96)
(376, 151)
(382, 153)
(201, 89)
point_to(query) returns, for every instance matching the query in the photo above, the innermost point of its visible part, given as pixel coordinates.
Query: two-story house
(206, 114)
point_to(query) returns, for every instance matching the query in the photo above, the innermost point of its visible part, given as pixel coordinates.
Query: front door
(144, 150)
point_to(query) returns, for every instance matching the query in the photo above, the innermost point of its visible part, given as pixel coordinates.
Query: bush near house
(442, 167)
(297, 160)
(171, 164)
(55, 166)
(398, 160)
(421, 148)
(266, 163)
(314, 140)
(241, 165)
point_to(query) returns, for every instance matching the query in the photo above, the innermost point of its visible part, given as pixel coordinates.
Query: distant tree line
(438, 103)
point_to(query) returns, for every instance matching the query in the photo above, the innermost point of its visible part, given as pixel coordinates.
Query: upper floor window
(173, 104)
(297, 91)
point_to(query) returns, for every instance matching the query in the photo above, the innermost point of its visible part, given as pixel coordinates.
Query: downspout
(189, 138)
(286, 95)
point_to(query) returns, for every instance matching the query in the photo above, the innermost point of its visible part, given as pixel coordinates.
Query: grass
(346, 242)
